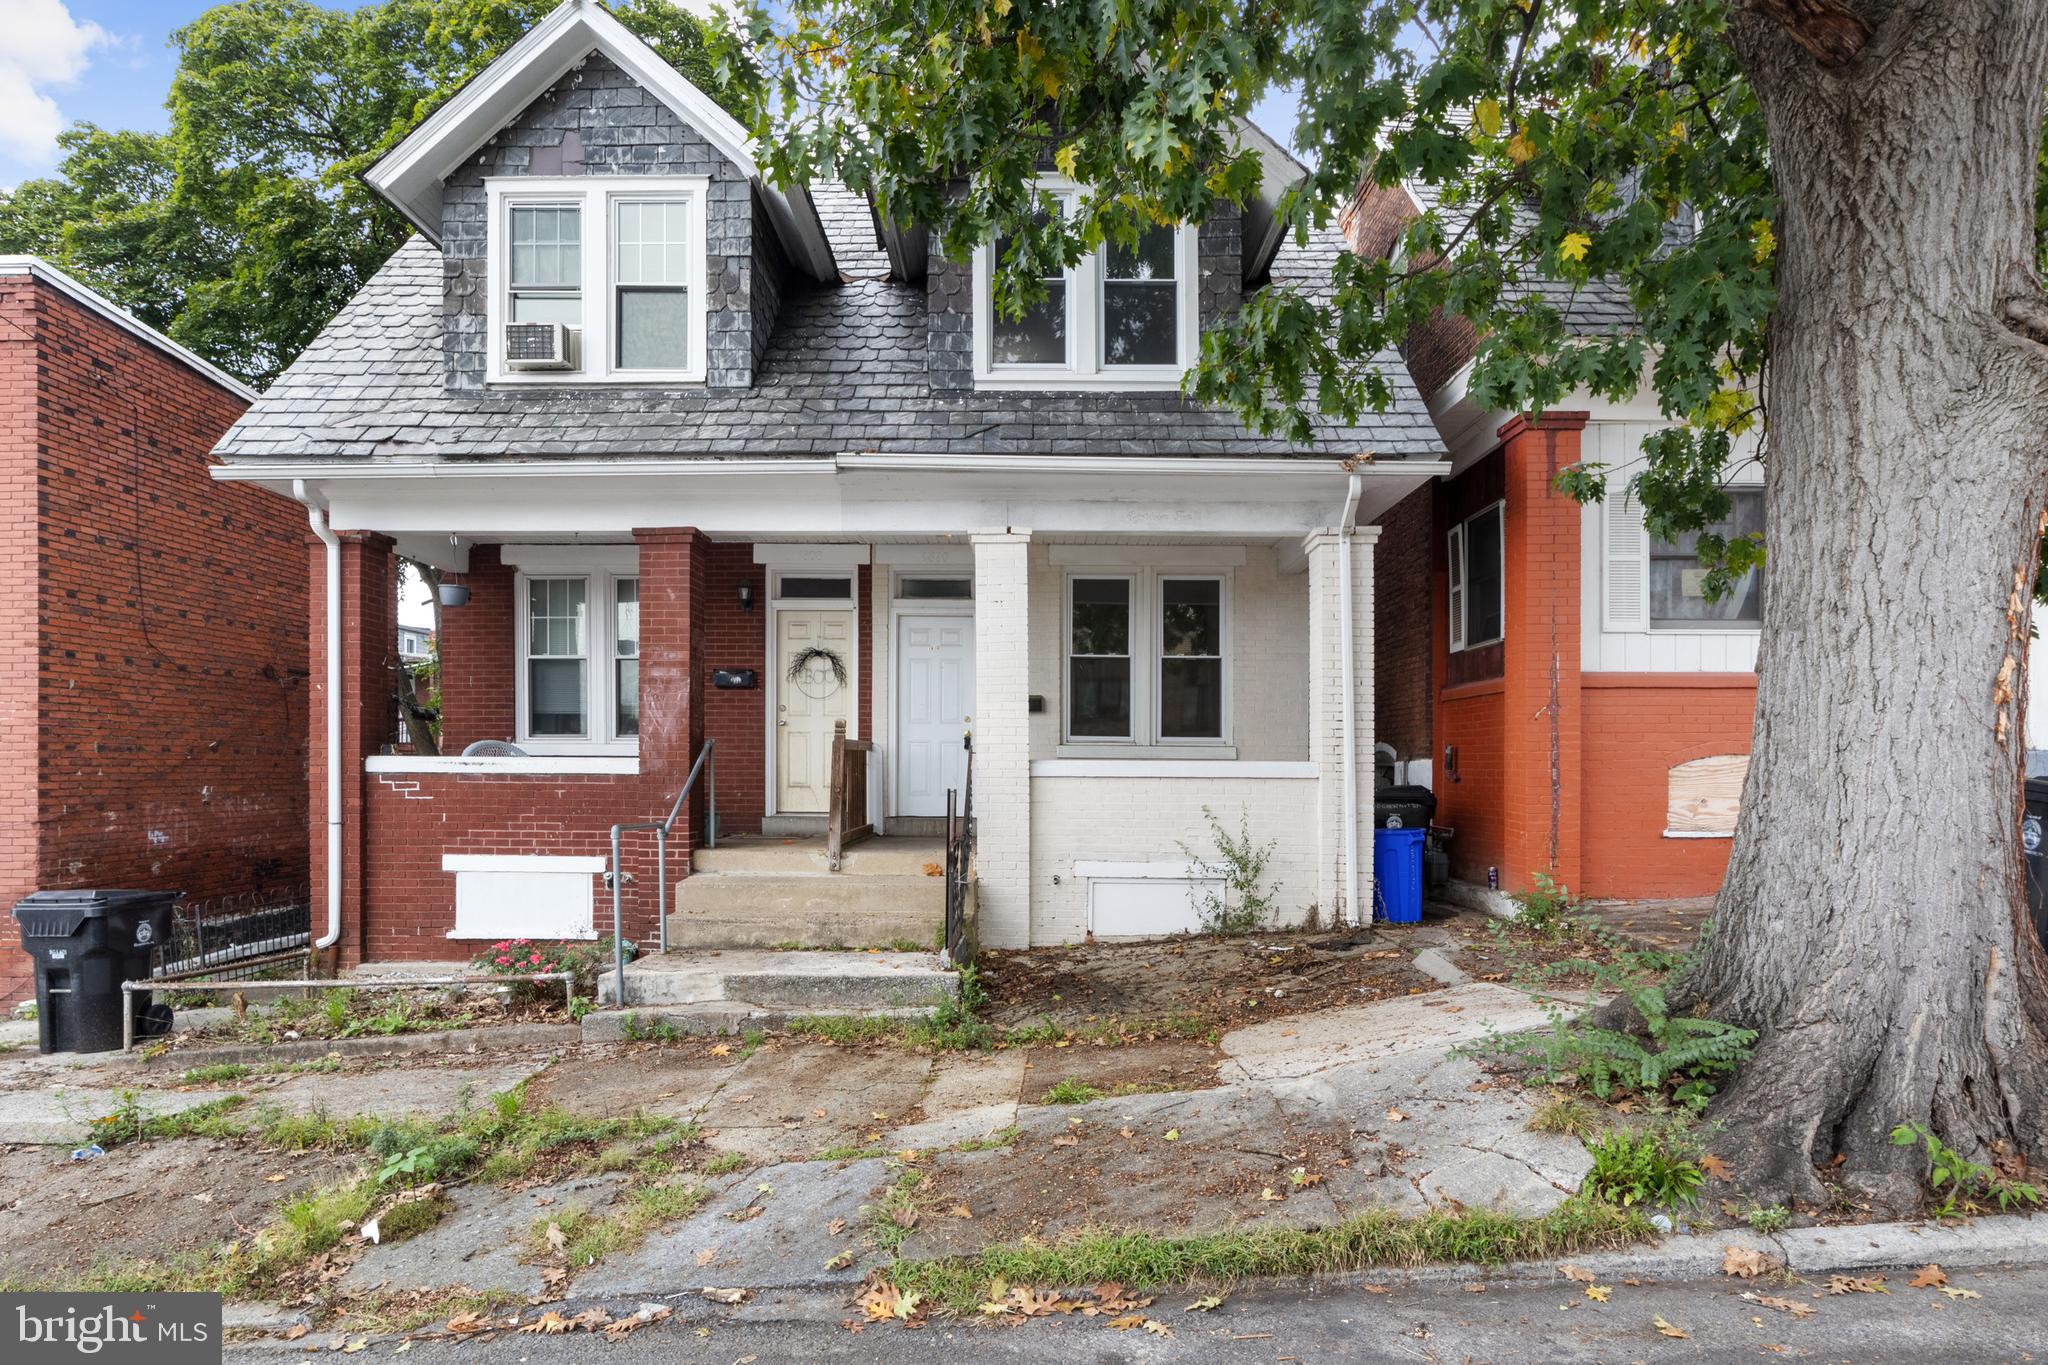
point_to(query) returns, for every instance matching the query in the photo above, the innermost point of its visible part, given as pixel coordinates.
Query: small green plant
(725, 1163)
(1244, 904)
(649, 1028)
(580, 1008)
(1564, 1115)
(1963, 1186)
(1658, 1165)
(1072, 1090)
(1548, 909)
(1768, 1219)
(337, 1005)
(211, 1075)
(1675, 1054)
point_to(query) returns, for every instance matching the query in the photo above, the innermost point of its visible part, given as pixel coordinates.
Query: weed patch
(1657, 1166)
(1960, 1185)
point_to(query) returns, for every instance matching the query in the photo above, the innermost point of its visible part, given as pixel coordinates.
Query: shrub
(1240, 864)
(521, 956)
(1548, 909)
(1648, 1166)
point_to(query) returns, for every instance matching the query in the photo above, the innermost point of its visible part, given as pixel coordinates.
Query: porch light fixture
(746, 594)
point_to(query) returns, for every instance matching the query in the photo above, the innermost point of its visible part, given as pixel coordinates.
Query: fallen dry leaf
(590, 1319)
(1748, 1262)
(1792, 1306)
(934, 870)
(1666, 1329)
(841, 1261)
(745, 1215)
(1599, 1293)
(1270, 1196)
(707, 1256)
(1208, 1303)
(295, 1331)
(835, 1227)
(1929, 1276)
(1126, 1323)
(1855, 1284)
(619, 1328)
(961, 1211)
(1396, 1116)
(726, 1295)
(1576, 1274)
(549, 1324)
(1065, 1140)
(1956, 1292)
(1173, 1135)
(1716, 1168)
(277, 1176)
(557, 1238)
(721, 1049)
(1157, 1328)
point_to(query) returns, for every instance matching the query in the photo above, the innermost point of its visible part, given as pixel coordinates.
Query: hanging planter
(454, 595)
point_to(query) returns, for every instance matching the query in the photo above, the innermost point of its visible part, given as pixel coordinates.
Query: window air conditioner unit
(538, 346)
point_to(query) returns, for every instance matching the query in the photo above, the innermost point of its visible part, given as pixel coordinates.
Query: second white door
(935, 695)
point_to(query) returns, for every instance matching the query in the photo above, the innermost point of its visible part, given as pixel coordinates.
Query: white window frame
(1084, 368)
(1461, 579)
(601, 572)
(1649, 561)
(597, 198)
(1148, 663)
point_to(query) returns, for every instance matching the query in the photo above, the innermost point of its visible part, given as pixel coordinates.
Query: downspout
(1347, 523)
(316, 517)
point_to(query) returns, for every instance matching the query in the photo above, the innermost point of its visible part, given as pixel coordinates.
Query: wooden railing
(846, 819)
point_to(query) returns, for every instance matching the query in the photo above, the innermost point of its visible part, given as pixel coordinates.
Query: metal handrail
(707, 765)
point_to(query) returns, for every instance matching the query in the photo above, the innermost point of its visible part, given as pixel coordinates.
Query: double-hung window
(1678, 592)
(579, 661)
(1478, 587)
(1147, 658)
(617, 260)
(1124, 317)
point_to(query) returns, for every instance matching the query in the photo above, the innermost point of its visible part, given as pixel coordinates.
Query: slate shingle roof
(844, 372)
(850, 224)
(1597, 307)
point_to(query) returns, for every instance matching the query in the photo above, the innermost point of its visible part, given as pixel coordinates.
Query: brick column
(1002, 736)
(478, 672)
(369, 648)
(674, 674)
(1327, 642)
(1540, 682)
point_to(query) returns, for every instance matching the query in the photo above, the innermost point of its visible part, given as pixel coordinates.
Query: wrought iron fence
(960, 864)
(231, 938)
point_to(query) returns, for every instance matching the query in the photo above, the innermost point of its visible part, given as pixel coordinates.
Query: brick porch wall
(152, 636)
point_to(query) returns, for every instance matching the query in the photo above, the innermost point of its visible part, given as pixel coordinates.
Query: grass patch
(1002, 1137)
(592, 1236)
(1657, 1165)
(130, 1121)
(1565, 1116)
(891, 1218)
(725, 1163)
(219, 1071)
(1146, 1261)
(1072, 1090)
(407, 1312)
(846, 1151)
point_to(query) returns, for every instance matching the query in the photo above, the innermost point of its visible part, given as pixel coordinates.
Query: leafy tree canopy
(1567, 140)
(245, 227)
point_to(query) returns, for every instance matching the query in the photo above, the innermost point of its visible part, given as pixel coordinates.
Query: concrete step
(808, 909)
(782, 857)
(726, 1017)
(805, 982)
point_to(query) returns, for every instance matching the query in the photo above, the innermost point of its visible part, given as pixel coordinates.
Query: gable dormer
(602, 221)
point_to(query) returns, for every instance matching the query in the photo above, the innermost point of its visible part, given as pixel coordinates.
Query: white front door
(934, 690)
(807, 704)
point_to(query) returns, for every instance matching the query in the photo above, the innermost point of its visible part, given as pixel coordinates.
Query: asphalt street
(1506, 1321)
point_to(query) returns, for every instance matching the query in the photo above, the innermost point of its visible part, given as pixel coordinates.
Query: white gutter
(340, 470)
(316, 517)
(1346, 646)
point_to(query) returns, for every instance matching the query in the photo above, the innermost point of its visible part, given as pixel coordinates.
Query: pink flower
(550, 967)
(504, 961)
(535, 959)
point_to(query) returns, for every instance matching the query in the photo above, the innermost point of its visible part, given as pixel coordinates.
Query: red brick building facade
(152, 623)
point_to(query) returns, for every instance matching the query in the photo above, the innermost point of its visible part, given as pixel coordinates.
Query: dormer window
(596, 279)
(1122, 318)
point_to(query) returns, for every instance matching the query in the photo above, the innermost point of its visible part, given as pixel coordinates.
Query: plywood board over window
(1705, 795)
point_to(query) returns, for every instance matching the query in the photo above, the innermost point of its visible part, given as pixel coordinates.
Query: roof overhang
(1280, 171)
(858, 494)
(411, 174)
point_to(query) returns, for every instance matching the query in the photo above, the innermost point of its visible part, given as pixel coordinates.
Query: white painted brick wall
(1147, 819)
(1327, 714)
(1002, 739)
(1269, 649)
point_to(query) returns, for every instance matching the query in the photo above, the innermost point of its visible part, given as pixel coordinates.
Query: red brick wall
(479, 674)
(18, 634)
(1402, 588)
(1469, 793)
(1372, 223)
(1638, 726)
(735, 717)
(170, 657)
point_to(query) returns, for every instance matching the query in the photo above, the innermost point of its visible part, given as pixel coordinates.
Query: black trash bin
(85, 944)
(2034, 843)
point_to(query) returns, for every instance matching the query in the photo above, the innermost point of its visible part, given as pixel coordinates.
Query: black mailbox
(734, 678)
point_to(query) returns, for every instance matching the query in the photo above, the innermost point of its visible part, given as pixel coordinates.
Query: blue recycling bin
(1397, 875)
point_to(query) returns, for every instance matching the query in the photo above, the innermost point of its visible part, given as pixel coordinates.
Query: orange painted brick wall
(163, 617)
(1471, 795)
(1637, 727)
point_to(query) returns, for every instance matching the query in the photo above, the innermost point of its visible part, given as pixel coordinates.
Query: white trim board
(779, 555)
(1173, 768)
(392, 765)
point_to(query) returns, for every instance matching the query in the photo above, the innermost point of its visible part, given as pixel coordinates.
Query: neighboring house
(415, 644)
(152, 623)
(720, 462)
(1557, 677)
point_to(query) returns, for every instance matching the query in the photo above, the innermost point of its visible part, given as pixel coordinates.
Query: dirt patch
(669, 1081)
(151, 1200)
(1174, 1064)
(1497, 950)
(346, 1012)
(1191, 986)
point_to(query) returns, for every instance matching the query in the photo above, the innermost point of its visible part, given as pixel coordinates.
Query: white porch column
(1002, 736)
(1327, 747)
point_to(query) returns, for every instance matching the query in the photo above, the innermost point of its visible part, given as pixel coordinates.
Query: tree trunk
(1873, 924)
